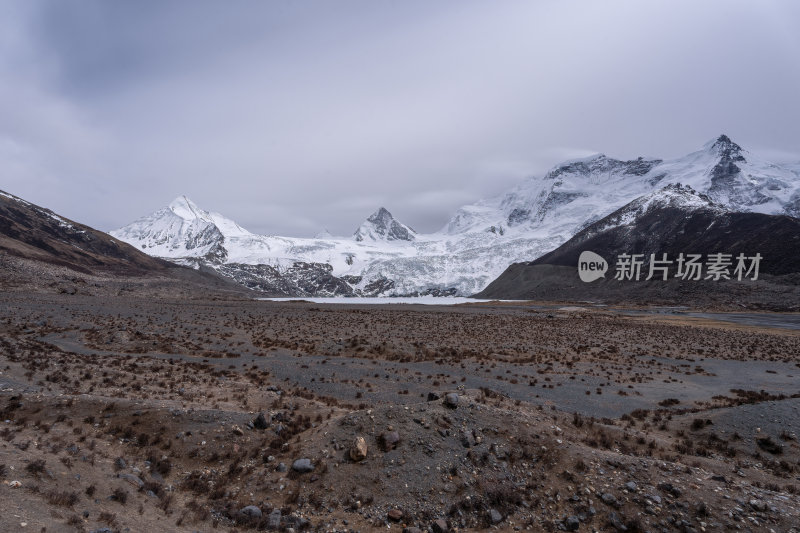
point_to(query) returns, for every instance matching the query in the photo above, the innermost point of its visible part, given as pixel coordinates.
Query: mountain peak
(185, 208)
(381, 225)
(725, 148)
(381, 216)
(725, 141)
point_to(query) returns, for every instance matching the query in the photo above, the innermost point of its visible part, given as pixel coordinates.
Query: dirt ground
(136, 414)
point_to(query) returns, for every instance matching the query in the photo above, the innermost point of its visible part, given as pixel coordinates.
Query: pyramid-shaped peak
(381, 225)
(725, 142)
(724, 146)
(186, 209)
(381, 215)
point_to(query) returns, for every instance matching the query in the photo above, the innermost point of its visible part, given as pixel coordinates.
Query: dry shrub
(62, 498)
(36, 467)
(120, 496)
(500, 495)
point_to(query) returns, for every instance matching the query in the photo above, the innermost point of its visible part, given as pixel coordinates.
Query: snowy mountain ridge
(386, 257)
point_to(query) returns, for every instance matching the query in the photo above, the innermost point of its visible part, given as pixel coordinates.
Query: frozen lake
(774, 320)
(420, 300)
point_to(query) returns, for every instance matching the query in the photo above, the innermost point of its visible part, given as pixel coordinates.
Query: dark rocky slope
(673, 220)
(40, 250)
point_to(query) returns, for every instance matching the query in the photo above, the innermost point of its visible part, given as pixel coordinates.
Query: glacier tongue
(387, 257)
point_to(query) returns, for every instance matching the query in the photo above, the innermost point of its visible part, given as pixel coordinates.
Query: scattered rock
(572, 523)
(631, 486)
(395, 515)
(302, 465)
(758, 505)
(358, 451)
(281, 467)
(389, 440)
(260, 422)
(274, 519)
(251, 511)
(236, 430)
(439, 526)
(412, 530)
(609, 499)
(451, 400)
(433, 396)
(467, 439)
(295, 523)
(670, 489)
(136, 481)
(494, 516)
(15, 484)
(615, 520)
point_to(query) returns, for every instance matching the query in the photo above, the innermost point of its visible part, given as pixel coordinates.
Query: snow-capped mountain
(182, 229)
(665, 224)
(380, 226)
(386, 257)
(584, 190)
(674, 197)
(675, 201)
(186, 234)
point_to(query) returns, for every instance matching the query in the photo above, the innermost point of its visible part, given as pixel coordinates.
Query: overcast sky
(293, 116)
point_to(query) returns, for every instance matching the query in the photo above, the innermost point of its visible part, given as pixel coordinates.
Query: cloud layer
(292, 117)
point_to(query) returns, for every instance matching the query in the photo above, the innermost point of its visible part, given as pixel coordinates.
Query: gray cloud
(291, 117)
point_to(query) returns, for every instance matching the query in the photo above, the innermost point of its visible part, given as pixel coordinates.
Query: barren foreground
(135, 414)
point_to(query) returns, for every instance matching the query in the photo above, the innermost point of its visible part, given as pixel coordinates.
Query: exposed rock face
(727, 185)
(604, 165)
(378, 287)
(301, 279)
(262, 278)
